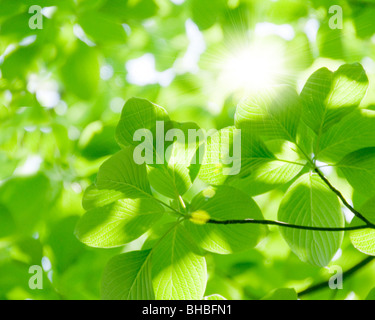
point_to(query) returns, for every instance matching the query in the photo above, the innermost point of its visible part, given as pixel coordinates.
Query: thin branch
(346, 204)
(346, 275)
(287, 225)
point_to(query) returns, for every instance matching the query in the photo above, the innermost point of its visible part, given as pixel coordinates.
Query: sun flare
(252, 68)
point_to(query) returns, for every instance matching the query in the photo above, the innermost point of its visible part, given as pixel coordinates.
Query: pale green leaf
(266, 177)
(356, 131)
(222, 156)
(272, 113)
(309, 202)
(173, 177)
(263, 170)
(364, 240)
(138, 114)
(359, 169)
(119, 177)
(371, 295)
(128, 277)
(118, 223)
(7, 226)
(328, 96)
(224, 203)
(178, 271)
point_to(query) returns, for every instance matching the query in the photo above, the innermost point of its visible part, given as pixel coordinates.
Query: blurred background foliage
(62, 88)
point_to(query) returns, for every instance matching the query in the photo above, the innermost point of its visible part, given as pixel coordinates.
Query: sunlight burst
(251, 68)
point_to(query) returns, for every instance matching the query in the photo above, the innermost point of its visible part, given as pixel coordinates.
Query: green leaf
(118, 223)
(178, 272)
(110, 31)
(363, 16)
(272, 113)
(80, 72)
(262, 170)
(119, 177)
(125, 10)
(286, 11)
(206, 13)
(329, 96)
(282, 294)
(364, 240)
(173, 178)
(241, 159)
(128, 277)
(138, 114)
(7, 226)
(26, 201)
(221, 157)
(266, 177)
(330, 42)
(224, 203)
(356, 131)
(358, 168)
(309, 202)
(371, 295)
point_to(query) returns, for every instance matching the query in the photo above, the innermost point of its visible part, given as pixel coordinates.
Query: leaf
(267, 176)
(7, 226)
(128, 277)
(282, 294)
(110, 31)
(80, 72)
(173, 178)
(286, 11)
(118, 223)
(138, 114)
(125, 10)
(330, 42)
(299, 53)
(26, 201)
(241, 159)
(363, 20)
(206, 13)
(358, 168)
(222, 156)
(263, 170)
(272, 113)
(309, 202)
(364, 240)
(224, 203)
(329, 96)
(119, 177)
(371, 295)
(356, 131)
(178, 272)
(215, 297)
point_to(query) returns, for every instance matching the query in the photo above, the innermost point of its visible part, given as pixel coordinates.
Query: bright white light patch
(178, 2)
(264, 29)
(30, 166)
(142, 72)
(106, 72)
(252, 68)
(46, 264)
(45, 89)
